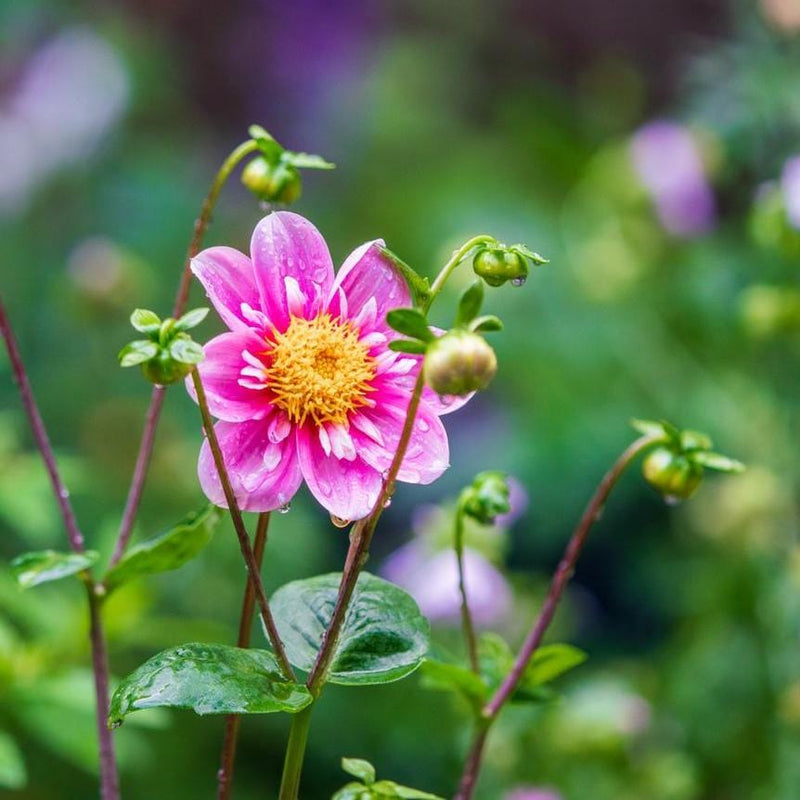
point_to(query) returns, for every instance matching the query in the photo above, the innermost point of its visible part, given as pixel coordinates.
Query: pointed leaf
(469, 304)
(523, 250)
(384, 637)
(186, 351)
(306, 160)
(718, 462)
(359, 768)
(166, 551)
(410, 322)
(137, 352)
(145, 321)
(13, 774)
(269, 148)
(209, 679)
(191, 319)
(694, 440)
(649, 427)
(413, 346)
(488, 323)
(392, 789)
(550, 661)
(31, 569)
(443, 677)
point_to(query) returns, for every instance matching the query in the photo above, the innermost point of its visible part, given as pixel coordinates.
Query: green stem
(241, 532)
(559, 582)
(157, 396)
(295, 753)
(466, 616)
(457, 257)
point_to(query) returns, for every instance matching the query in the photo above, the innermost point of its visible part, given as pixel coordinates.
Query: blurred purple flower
(790, 186)
(532, 793)
(668, 163)
(432, 580)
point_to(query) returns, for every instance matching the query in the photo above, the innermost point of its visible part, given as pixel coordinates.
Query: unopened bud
(487, 498)
(458, 363)
(274, 183)
(674, 475)
(498, 265)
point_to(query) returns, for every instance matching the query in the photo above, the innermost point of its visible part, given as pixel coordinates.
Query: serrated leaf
(384, 637)
(209, 679)
(718, 462)
(137, 352)
(167, 551)
(410, 322)
(43, 566)
(488, 323)
(413, 346)
(13, 774)
(307, 160)
(191, 319)
(186, 351)
(469, 304)
(359, 768)
(523, 250)
(145, 321)
(443, 677)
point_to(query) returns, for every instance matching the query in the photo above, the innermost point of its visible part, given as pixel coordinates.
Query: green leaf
(439, 676)
(694, 440)
(419, 286)
(523, 250)
(186, 351)
(191, 319)
(384, 636)
(269, 148)
(649, 428)
(31, 569)
(137, 352)
(209, 679)
(488, 323)
(469, 304)
(306, 160)
(718, 462)
(359, 768)
(166, 551)
(353, 791)
(145, 321)
(13, 774)
(392, 789)
(549, 662)
(413, 346)
(410, 322)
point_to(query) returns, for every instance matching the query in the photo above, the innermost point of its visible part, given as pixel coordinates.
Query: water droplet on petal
(519, 281)
(446, 399)
(387, 502)
(339, 522)
(423, 425)
(324, 487)
(285, 508)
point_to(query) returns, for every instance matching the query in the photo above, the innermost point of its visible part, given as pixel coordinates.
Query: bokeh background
(648, 149)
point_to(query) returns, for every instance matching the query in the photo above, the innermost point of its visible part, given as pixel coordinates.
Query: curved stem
(466, 616)
(457, 257)
(557, 585)
(40, 434)
(232, 721)
(241, 532)
(109, 779)
(157, 397)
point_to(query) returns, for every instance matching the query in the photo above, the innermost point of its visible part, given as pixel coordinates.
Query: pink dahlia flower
(304, 384)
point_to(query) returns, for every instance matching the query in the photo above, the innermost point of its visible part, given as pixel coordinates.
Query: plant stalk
(241, 531)
(467, 624)
(233, 721)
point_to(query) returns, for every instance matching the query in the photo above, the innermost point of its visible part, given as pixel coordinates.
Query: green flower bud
(164, 369)
(274, 183)
(497, 265)
(487, 498)
(458, 363)
(676, 476)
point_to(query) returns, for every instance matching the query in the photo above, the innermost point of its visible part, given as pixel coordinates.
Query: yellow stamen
(320, 370)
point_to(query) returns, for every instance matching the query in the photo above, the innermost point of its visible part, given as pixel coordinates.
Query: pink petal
(220, 372)
(347, 489)
(264, 474)
(368, 273)
(428, 453)
(229, 281)
(288, 248)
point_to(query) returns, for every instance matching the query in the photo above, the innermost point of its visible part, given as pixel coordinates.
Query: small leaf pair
(370, 788)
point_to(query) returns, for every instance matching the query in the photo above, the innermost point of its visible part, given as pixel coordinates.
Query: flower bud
(458, 363)
(674, 475)
(487, 498)
(497, 265)
(163, 369)
(275, 183)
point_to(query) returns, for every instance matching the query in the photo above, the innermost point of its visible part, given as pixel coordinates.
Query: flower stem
(157, 397)
(466, 616)
(109, 779)
(458, 256)
(559, 581)
(232, 721)
(241, 532)
(357, 555)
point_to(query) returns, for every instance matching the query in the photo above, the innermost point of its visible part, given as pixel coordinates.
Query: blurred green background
(645, 148)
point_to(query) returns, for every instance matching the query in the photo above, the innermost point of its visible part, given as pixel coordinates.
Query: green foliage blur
(497, 118)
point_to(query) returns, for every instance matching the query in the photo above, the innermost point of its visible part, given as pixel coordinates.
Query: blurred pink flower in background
(532, 793)
(669, 165)
(790, 187)
(304, 383)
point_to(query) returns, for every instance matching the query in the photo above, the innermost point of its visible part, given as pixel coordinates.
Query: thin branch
(241, 531)
(40, 434)
(232, 721)
(467, 624)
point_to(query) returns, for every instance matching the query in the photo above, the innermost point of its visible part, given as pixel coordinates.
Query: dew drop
(285, 508)
(64, 493)
(387, 502)
(339, 522)
(423, 425)
(519, 281)
(672, 500)
(325, 488)
(446, 399)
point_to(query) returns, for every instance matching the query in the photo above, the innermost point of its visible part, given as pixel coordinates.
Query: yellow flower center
(320, 370)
